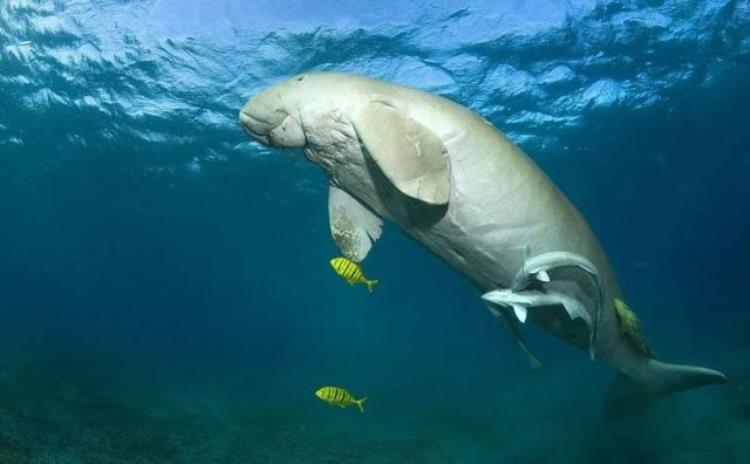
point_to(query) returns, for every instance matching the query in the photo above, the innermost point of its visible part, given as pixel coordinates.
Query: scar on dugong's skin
(454, 183)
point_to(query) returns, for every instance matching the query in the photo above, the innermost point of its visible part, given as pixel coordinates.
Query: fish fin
(371, 285)
(520, 312)
(359, 403)
(534, 364)
(506, 320)
(503, 298)
(354, 228)
(542, 276)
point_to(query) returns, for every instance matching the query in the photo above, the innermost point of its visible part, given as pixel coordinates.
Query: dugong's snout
(255, 127)
(265, 118)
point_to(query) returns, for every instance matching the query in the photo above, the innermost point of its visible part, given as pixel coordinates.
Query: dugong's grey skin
(496, 206)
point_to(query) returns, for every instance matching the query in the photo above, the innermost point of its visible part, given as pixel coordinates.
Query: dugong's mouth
(275, 127)
(256, 126)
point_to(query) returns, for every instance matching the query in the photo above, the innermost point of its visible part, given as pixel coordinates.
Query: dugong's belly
(489, 250)
(490, 228)
(490, 256)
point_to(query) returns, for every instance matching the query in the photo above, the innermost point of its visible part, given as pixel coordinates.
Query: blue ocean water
(165, 293)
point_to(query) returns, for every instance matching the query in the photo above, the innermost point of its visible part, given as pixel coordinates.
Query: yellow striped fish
(336, 396)
(352, 273)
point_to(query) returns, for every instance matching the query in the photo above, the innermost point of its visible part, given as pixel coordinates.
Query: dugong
(454, 183)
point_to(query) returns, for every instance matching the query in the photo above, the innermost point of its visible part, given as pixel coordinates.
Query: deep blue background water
(166, 280)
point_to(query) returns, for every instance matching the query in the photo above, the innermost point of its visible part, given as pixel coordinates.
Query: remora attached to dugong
(458, 186)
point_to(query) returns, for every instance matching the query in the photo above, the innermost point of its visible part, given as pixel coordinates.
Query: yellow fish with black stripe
(336, 396)
(352, 273)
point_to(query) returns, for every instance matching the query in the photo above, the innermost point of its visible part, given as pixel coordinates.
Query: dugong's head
(347, 124)
(274, 116)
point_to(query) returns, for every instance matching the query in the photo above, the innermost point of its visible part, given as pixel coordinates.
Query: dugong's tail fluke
(659, 379)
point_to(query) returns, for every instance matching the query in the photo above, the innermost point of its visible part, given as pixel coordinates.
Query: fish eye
(301, 78)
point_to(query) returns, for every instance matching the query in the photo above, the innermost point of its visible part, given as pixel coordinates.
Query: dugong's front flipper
(509, 323)
(409, 154)
(353, 226)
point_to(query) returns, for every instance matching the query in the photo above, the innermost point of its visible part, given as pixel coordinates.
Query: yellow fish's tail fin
(371, 284)
(359, 404)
